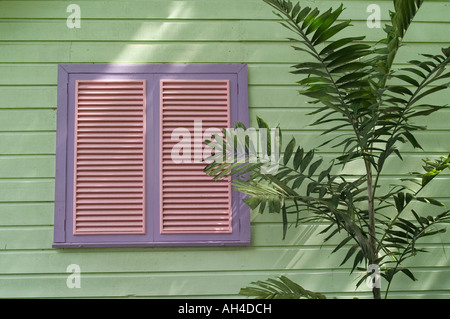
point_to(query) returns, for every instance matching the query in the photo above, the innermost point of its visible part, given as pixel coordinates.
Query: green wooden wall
(34, 38)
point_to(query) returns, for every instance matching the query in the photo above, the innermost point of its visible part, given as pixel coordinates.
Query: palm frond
(279, 288)
(401, 18)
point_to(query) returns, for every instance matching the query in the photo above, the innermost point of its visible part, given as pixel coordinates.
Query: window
(129, 154)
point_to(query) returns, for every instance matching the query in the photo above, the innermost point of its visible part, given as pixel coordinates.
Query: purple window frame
(68, 74)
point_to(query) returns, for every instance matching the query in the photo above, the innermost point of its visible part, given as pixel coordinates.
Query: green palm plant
(360, 93)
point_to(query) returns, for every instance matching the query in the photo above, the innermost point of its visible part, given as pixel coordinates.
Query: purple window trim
(67, 74)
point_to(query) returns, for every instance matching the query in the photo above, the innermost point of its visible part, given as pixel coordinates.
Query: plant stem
(372, 234)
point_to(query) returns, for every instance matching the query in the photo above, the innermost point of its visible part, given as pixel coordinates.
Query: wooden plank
(29, 74)
(431, 141)
(26, 190)
(41, 214)
(198, 9)
(26, 214)
(150, 285)
(172, 52)
(270, 75)
(27, 143)
(276, 219)
(280, 92)
(298, 118)
(192, 30)
(437, 188)
(188, 285)
(213, 260)
(27, 120)
(28, 96)
(19, 237)
(36, 143)
(304, 236)
(27, 166)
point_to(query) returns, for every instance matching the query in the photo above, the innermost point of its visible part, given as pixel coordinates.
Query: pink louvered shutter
(109, 157)
(190, 201)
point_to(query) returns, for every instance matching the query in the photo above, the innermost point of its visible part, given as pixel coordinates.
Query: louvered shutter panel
(109, 157)
(190, 201)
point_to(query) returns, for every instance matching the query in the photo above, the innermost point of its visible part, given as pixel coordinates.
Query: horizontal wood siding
(34, 38)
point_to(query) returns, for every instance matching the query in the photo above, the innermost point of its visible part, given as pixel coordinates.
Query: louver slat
(191, 203)
(109, 157)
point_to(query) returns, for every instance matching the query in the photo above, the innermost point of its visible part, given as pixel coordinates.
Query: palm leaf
(401, 18)
(279, 288)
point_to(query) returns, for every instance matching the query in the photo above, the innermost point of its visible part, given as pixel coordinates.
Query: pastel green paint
(34, 38)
